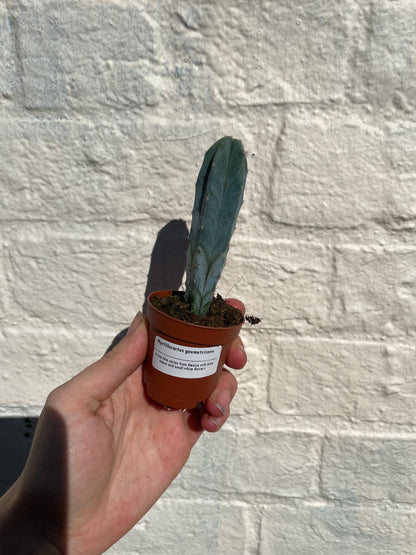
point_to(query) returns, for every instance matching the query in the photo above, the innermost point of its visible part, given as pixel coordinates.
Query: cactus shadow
(167, 264)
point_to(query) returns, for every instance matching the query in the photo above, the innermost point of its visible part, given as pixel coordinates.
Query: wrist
(19, 532)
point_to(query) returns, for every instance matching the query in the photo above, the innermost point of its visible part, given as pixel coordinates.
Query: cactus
(218, 198)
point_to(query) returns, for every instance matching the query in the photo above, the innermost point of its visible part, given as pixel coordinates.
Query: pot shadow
(167, 264)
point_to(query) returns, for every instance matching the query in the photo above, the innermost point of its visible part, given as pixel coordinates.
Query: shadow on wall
(168, 261)
(16, 436)
(166, 271)
(167, 264)
(47, 485)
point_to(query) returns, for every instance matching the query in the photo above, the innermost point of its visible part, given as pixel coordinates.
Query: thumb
(99, 381)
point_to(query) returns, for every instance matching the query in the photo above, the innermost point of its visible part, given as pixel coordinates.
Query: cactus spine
(218, 198)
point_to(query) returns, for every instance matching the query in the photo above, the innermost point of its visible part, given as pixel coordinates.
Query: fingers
(236, 304)
(217, 407)
(98, 381)
(237, 357)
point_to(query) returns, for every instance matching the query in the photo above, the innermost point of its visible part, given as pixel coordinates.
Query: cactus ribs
(219, 192)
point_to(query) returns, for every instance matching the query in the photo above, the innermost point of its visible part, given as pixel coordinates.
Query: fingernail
(223, 400)
(138, 319)
(220, 408)
(215, 421)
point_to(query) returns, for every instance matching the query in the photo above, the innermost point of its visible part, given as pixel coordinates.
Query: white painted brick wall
(106, 108)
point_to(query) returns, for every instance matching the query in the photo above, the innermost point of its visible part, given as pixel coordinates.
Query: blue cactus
(218, 199)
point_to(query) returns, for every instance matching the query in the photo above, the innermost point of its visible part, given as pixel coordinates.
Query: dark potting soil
(220, 314)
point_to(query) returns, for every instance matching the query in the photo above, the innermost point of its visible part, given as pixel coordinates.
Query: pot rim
(168, 292)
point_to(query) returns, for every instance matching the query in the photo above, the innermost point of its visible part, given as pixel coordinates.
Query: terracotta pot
(183, 360)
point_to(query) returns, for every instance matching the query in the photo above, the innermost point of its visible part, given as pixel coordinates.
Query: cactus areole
(218, 198)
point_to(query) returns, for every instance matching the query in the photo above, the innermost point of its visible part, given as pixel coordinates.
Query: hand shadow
(167, 264)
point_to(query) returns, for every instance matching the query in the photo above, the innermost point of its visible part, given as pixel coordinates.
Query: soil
(220, 315)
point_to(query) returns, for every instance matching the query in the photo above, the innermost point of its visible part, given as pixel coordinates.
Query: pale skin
(103, 454)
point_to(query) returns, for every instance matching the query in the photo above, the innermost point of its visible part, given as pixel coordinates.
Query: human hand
(103, 453)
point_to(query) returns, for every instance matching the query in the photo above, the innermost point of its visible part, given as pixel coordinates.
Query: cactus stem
(209, 238)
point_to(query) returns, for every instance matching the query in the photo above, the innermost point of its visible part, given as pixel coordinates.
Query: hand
(103, 453)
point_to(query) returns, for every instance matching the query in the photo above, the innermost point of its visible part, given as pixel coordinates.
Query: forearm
(19, 533)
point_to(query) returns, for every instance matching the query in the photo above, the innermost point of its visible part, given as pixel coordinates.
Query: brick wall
(106, 109)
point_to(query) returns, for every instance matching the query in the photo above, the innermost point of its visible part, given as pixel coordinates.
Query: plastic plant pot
(184, 360)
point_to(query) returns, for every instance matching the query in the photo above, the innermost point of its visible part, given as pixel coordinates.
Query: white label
(185, 362)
